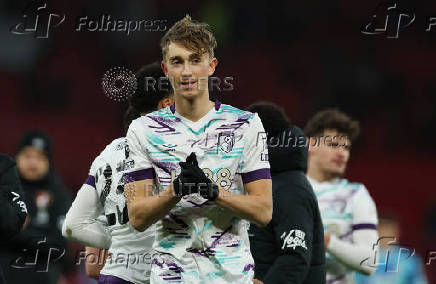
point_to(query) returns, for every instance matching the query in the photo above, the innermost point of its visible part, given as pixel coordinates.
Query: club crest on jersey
(226, 141)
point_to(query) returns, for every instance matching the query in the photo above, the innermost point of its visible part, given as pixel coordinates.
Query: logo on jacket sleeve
(295, 238)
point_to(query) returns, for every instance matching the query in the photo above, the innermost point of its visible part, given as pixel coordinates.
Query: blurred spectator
(40, 246)
(395, 263)
(13, 210)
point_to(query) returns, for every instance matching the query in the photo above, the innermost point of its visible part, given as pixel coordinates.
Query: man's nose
(187, 71)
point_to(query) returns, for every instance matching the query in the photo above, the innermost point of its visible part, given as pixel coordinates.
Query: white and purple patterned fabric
(231, 149)
(338, 201)
(131, 250)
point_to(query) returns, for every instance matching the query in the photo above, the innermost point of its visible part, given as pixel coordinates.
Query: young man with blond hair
(199, 172)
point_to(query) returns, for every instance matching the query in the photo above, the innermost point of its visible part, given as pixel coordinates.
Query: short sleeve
(364, 211)
(143, 168)
(255, 164)
(93, 171)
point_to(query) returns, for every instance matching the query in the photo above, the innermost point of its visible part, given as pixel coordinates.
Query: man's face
(32, 163)
(330, 153)
(188, 70)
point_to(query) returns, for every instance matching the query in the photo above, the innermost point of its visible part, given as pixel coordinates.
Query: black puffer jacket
(13, 210)
(290, 249)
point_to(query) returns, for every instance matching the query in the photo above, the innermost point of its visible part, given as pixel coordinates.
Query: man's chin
(337, 173)
(189, 94)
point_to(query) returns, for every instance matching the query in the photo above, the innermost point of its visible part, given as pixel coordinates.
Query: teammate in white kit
(103, 192)
(347, 210)
(202, 205)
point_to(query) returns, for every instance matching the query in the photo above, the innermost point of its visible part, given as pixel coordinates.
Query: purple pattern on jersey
(170, 264)
(180, 232)
(174, 269)
(340, 200)
(364, 226)
(164, 124)
(243, 119)
(210, 250)
(346, 236)
(109, 279)
(256, 175)
(90, 180)
(166, 166)
(248, 267)
(139, 175)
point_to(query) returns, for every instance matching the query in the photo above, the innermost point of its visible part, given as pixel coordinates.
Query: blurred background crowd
(303, 56)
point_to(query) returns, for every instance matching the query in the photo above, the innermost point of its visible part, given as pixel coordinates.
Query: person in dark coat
(290, 249)
(47, 201)
(13, 211)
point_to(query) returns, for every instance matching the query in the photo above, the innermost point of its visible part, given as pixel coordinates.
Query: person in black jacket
(47, 202)
(13, 211)
(290, 249)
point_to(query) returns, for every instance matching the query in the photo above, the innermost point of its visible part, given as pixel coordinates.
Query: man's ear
(163, 103)
(212, 65)
(164, 67)
(312, 143)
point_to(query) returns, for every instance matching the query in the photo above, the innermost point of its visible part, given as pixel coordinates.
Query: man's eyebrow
(176, 57)
(194, 56)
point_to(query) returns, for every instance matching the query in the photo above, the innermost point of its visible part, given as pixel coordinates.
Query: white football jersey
(131, 250)
(230, 145)
(345, 207)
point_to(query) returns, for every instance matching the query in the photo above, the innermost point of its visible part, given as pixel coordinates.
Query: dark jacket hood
(288, 151)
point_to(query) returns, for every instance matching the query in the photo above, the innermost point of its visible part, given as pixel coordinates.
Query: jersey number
(222, 177)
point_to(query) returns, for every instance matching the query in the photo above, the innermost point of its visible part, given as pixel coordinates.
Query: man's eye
(196, 61)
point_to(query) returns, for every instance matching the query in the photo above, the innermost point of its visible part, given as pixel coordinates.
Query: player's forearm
(93, 268)
(81, 224)
(146, 211)
(356, 256)
(254, 208)
(86, 232)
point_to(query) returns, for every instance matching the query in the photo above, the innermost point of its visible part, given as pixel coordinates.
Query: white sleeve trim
(81, 224)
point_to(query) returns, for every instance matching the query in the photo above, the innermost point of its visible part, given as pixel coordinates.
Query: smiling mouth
(187, 84)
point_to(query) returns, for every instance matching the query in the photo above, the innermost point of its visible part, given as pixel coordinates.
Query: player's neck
(317, 174)
(193, 109)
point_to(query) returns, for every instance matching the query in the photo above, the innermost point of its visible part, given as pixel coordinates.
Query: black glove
(193, 180)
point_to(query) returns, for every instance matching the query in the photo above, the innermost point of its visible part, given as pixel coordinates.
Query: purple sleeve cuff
(140, 175)
(256, 175)
(90, 180)
(364, 227)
